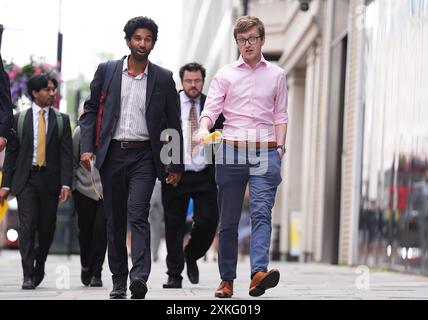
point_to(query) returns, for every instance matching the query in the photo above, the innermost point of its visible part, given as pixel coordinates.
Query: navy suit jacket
(161, 107)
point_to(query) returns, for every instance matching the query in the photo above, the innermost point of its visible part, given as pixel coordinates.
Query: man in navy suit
(141, 99)
(38, 169)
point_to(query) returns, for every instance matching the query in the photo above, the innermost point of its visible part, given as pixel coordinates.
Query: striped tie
(41, 139)
(193, 126)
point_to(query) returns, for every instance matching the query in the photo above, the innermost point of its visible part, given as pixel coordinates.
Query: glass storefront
(393, 223)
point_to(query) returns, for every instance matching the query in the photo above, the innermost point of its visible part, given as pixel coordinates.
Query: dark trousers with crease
(92, 232)
(37, 208)
(201, 187)
(128, 177)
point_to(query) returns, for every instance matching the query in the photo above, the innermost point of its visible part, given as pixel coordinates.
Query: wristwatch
(282, 147)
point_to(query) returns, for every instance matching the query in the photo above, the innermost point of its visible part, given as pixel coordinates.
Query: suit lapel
(151, 80)
(51, 125)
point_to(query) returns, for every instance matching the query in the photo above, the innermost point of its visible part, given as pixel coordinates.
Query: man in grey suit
(141, 99)
(6, 114)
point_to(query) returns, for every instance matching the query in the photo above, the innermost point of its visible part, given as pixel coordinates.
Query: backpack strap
(59, 122)
(21, 118)
(108, 76)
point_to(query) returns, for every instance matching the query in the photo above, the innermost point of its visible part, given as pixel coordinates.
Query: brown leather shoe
(224, 290)
(262, 281)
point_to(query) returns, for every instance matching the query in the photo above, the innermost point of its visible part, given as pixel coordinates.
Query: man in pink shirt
(252, 95)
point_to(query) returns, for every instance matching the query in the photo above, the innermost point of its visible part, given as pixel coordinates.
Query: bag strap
(21, 118)
(59, 122)
(108, 76)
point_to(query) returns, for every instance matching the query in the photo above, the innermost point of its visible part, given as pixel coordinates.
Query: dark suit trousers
(92, 232)
(128, 177)
(37, 209)
(202, 188)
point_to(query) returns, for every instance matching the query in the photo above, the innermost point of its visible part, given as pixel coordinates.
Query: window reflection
(393, 220)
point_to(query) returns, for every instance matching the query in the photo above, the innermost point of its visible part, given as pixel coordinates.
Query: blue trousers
(236, 167)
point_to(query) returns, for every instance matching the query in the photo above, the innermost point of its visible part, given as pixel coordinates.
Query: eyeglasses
(197, 81)
(243, 41)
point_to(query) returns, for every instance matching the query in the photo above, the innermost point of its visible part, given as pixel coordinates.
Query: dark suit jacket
(6, 114)
(59, 155)
(161, 107)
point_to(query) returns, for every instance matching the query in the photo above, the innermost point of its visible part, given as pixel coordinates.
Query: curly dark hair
(139, 23)
(192, 67)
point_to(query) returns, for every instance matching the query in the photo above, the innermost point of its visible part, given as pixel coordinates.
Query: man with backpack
(38, 169)
(121, 131)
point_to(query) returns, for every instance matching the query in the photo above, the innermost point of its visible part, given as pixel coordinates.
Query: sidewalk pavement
(298, 282)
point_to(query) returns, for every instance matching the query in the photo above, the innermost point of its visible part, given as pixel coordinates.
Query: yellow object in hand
(212, 138)
(3, 206)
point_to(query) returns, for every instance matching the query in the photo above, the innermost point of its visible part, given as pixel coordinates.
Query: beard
(192, 93)
(139, 57)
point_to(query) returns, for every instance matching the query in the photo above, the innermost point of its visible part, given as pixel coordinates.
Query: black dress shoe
(192, 271)
(85, 277)
(38, 278)
(173, 283)
(138, 289)
(39, 274)
(96, 282)
(28, 284)
(119, 291)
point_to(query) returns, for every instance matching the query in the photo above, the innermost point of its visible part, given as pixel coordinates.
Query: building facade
(206, 34)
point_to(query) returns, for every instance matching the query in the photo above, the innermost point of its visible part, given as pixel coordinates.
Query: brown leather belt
(270, 144)
(131, 144)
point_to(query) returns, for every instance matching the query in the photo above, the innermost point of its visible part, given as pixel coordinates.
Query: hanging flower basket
(19, 75)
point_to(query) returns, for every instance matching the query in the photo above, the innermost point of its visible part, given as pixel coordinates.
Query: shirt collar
(186, 99)
(125, 68)
(240, 62)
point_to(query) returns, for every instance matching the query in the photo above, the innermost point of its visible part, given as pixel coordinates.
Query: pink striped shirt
(253, 101)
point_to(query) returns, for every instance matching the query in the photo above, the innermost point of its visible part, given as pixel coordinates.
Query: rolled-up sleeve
(281, 101)
(214, 103)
